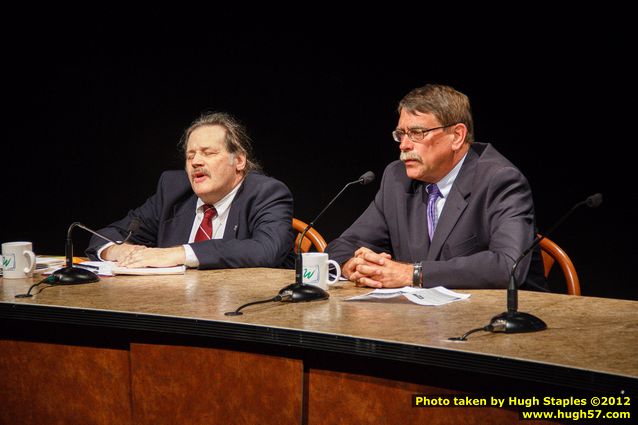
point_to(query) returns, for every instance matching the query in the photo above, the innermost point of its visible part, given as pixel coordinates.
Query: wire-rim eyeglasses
(415, 134)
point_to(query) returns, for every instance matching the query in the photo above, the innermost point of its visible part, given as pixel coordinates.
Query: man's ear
(460, 133)
(240, 161)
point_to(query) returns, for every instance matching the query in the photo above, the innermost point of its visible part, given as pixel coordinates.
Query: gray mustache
(410, 155)
(200, 170)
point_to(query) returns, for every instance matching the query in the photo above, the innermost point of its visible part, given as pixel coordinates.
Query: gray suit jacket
(486, 223)
(258, 231)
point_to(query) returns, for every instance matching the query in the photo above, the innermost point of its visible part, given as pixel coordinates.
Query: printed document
(423, 296)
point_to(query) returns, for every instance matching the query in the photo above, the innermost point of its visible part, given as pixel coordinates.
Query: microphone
(513, 321)
(297, 291)
(70, 275)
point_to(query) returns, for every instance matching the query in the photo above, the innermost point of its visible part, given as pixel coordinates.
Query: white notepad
(109, 268)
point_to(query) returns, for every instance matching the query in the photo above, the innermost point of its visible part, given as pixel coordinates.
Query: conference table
(159, 349)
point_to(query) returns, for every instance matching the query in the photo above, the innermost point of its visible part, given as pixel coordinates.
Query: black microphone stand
(514, 321)
(71, 275)
(298, 291)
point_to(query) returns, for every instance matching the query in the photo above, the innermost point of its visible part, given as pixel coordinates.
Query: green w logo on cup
(315, 269)
(9, 262)
(311, 274)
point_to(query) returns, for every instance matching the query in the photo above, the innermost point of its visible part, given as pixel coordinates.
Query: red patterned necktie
(205, 231)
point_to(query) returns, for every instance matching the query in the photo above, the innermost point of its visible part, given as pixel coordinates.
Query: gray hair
(237, 139)
(446, 104)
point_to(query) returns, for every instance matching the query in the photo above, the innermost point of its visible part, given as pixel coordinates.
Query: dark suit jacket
(258, 231)
(486, 223)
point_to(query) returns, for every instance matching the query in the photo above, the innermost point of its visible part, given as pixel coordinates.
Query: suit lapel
(232, 222)
(416, 219)
(178, 227)
(454, 205)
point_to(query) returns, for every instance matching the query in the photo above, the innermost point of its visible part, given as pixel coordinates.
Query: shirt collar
(445, 184)
(223, 204)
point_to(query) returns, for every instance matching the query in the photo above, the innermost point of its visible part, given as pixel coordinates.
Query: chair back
(552, 254)
(312, 238)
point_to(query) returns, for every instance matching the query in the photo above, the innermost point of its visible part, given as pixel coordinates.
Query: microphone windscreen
(135, 225)
(594, 200)
(367, 177)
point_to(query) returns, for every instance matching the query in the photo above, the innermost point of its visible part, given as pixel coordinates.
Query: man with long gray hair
(219, 212)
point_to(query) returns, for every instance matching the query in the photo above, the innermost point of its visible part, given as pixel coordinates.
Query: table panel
(43, 383)
(208, 385)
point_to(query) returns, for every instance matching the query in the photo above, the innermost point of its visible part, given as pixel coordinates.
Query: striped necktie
(205, 231)
(433, 196)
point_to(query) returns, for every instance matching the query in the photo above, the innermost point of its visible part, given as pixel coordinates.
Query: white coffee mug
(18, 260)
(315, 269)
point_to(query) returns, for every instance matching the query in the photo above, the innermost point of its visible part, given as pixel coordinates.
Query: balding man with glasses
(450, 212)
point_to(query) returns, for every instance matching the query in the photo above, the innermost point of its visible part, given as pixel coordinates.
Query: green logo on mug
(9, 262)
(311, 274)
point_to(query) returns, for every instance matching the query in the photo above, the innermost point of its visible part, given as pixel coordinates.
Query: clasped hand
(367, 268)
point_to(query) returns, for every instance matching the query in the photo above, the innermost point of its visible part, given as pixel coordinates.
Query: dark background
(91, 121)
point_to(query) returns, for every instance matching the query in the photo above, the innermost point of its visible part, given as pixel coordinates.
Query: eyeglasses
(415, 134)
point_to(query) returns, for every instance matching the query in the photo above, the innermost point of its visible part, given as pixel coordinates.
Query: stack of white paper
(109, 268)
(423, 296)
(49, 264)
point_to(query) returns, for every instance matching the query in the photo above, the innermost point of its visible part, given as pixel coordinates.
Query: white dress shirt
(445, 185)
(219, 223)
